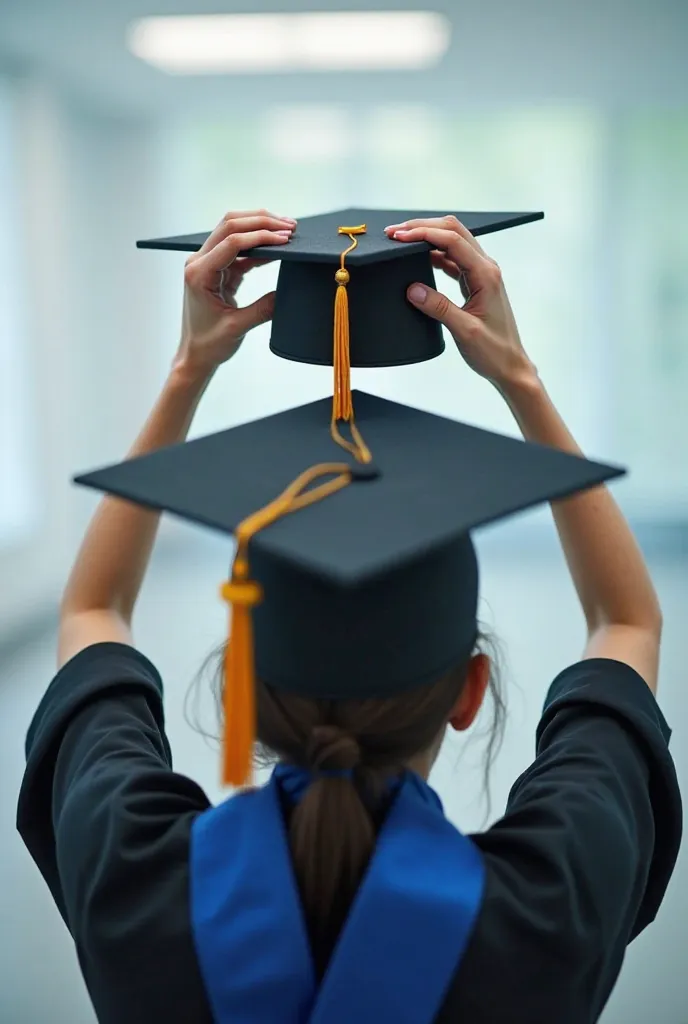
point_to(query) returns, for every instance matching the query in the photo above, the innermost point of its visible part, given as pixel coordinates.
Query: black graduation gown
(575, 869)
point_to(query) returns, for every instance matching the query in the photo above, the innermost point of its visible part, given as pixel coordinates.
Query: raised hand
(213, 325)
(484, 329)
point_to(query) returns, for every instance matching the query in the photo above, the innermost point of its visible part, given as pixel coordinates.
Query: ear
(472, 695)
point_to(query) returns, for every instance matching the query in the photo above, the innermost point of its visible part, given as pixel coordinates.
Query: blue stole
(401, 944)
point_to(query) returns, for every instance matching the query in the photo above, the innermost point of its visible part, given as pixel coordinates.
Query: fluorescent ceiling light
(278, 43)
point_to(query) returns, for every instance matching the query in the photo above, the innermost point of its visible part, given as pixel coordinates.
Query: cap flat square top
(438, 480)
(317, 240)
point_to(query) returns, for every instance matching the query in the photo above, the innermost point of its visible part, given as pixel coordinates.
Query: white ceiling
(611, 52)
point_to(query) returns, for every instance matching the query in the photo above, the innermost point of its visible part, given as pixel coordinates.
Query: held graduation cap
(385, 330)
(373, 589)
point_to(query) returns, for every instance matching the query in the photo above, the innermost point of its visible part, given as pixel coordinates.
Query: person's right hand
(213, 324)
(484, 329)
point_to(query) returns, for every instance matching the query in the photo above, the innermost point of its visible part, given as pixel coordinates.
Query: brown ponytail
(332, 836)
(332, 829)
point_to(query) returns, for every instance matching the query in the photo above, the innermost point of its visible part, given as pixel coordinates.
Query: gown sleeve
(580, 862)
(107, 822)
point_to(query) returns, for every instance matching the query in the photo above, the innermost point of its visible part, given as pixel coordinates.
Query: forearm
(115, 552)
(607, 567)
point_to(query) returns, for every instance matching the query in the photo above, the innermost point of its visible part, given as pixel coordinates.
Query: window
(649, 291)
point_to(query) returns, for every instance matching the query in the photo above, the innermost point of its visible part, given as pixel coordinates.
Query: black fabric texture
(384, 328)
(579, 863)
(107, 822)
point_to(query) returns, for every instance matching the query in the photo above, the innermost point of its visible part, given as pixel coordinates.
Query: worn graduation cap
(384, 329)
(370, 591)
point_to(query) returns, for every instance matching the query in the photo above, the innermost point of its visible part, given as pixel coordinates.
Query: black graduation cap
(385, 329)
(373, 589)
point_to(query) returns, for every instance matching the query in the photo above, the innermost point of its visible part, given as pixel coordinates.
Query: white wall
(86, 189)
(17, 466)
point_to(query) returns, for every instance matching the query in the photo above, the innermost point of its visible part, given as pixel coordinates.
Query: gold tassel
(342, 404)
(243, 594)
(342, 365)
(239, 689)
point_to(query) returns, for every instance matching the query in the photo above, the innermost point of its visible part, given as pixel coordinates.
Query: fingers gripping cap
(384, 328)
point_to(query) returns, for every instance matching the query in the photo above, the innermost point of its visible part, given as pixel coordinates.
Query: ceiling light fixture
(282, 43)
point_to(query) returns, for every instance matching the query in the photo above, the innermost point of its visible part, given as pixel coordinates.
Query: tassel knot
(242, 592)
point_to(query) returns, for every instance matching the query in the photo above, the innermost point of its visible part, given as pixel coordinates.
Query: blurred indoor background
(113, 130)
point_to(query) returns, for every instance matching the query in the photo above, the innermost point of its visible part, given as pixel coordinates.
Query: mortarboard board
(372, 590)
(384, 329)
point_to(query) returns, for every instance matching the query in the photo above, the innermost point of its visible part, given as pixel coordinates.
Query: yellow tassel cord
(342, 405)
(242, 594)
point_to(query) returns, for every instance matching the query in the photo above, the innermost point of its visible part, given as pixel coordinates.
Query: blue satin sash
(400, 946)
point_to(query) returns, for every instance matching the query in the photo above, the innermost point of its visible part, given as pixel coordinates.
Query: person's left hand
(213, 325)
(484, 328)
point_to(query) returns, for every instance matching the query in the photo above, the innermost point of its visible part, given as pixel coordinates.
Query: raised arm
(614, 587)
(104, 584)
(618, 598)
